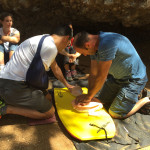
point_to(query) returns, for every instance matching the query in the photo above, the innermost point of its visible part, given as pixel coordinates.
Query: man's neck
(57, 41)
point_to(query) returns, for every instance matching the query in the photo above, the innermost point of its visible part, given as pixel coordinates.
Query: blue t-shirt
(126, 63)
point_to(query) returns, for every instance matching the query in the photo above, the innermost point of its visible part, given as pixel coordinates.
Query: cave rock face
(47, 13)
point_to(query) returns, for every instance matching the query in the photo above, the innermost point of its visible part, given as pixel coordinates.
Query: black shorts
(18, 93)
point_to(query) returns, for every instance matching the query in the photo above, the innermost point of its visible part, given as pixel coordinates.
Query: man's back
(126, 62)
(17, 67)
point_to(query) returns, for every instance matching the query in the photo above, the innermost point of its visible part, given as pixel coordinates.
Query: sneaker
(2, 104)
(68, 75)
(74, 74)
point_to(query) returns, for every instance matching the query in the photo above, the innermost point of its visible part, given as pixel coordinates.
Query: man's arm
(59, 75)
(13, 39)
(98, 74)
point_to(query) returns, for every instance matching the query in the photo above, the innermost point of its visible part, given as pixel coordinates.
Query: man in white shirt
(19, 97)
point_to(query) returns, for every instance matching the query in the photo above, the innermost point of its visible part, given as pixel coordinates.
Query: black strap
(40, 44)
(36, 75)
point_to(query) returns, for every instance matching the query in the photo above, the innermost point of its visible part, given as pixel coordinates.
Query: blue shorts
(12, 47)
(121, 94)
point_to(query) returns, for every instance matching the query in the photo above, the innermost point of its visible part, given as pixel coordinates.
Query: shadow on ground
(16, 134)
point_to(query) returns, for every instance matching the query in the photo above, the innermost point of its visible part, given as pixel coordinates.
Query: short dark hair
(81, 38)
(5, 14)
(64, 30)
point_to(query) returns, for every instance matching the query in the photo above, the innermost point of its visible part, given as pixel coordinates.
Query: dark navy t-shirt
(126, 63)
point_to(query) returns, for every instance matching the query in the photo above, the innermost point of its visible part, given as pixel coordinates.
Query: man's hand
(76, 91)
(72, 58)
(70, 87)
(84, 99)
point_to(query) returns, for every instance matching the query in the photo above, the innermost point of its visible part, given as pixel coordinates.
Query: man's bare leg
(137, 106)
(30, 112)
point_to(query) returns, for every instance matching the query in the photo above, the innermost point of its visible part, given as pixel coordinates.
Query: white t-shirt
(13, 31)
(19, 63)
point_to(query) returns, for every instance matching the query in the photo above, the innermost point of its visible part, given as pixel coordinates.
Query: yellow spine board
(81, 125)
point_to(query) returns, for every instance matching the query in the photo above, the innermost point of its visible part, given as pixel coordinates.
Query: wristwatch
(0, 37)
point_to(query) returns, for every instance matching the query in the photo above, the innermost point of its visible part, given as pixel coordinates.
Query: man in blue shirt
(116, 70)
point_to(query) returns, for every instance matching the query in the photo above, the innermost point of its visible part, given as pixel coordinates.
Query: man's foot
(68, 76)
(32, 122)
(2, 108)
(74, 74)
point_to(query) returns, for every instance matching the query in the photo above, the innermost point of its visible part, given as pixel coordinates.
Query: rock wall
(41, 16)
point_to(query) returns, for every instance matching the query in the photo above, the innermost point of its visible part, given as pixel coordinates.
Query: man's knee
(115, 115)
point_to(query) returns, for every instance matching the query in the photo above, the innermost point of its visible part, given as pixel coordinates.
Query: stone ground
(16, 134)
